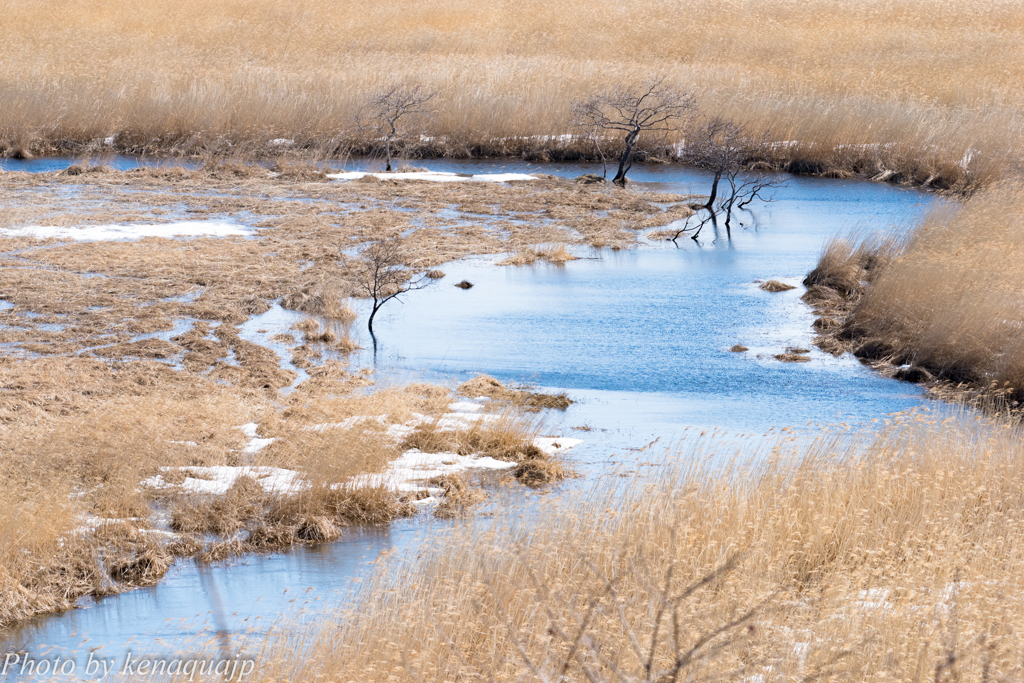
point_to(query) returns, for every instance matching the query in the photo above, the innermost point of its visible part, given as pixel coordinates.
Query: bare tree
(651, 106)
(381, 274)
(387, 109)
(727, 149)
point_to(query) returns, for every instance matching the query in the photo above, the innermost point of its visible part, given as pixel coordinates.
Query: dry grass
(946, 301)
(775, 286)
(555, 254)
(482, 385)
(79, 435)
(459, 496)
(821, 82)
(892, 555)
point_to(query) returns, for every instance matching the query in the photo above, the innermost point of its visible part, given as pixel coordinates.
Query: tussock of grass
(509, 438)
(775, 286)
(555, 254)
(483, 385)
(877, 556)
(459, 496)
(505, 439)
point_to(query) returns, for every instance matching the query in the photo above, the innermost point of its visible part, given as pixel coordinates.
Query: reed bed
(887, 555)
(832, 83)
(944, 303)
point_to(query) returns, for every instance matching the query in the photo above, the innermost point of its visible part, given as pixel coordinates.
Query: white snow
(255, 444)
(403, 474)
(463, 415)
(435, 176)
(465, 407)
(130, 231)
(218, 479)
(282, 142)
(249, 429)
(414, 466)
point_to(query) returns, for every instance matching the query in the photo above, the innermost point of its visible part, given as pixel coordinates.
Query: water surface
(639, 339)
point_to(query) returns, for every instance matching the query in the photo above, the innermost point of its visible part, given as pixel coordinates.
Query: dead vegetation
(941, 308)
(775, 286)
(482, 385)
(894, 554)
(95, 453)
(554, 254)
(459, 496)
(820, 85)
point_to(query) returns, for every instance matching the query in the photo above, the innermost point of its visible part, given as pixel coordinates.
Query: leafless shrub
(652, 106)
(390, 107)
(380, 274)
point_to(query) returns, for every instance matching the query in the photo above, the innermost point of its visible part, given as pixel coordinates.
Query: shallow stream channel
(639, 339)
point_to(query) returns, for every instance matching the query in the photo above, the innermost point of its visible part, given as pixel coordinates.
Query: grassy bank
(892, 555)
(942, 306)
(831, 83)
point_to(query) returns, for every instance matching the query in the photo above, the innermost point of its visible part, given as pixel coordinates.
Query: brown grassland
(892, 555)
(900, 90)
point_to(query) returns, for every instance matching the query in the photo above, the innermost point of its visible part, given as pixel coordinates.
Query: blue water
(638, 338)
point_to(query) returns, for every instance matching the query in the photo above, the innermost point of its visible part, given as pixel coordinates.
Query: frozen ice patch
(552, 445)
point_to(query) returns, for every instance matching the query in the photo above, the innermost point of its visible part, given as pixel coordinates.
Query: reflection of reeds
(846, 556)
(822, 82)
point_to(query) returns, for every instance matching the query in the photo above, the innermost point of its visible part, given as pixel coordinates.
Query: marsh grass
(946, 300)
(482, 385)
(831, 84)
(555, 254)
(79, 437)
(891, 554)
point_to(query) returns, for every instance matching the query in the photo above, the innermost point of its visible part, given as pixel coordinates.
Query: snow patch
(255, 444)
(218, 479)
(434, 176)
(553, 445)
(405, 473)
(129, 231)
